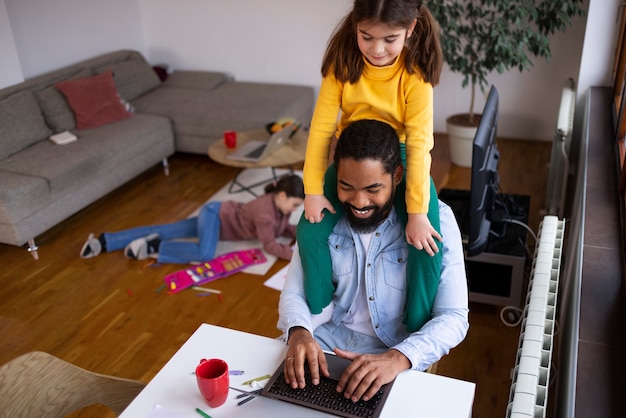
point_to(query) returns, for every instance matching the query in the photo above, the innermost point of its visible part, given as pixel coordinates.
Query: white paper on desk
(163, 412)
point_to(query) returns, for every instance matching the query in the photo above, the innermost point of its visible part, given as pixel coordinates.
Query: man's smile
(362, 213)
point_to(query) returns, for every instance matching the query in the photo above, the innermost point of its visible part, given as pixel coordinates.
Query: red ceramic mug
(230, 139)
(212, 377)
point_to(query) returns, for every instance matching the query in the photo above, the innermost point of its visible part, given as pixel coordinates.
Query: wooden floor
(105, 314)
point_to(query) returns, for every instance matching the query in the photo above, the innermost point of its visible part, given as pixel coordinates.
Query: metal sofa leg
(166, 166)
(33, 249)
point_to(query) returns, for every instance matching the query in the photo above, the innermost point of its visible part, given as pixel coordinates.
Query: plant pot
(461, 134)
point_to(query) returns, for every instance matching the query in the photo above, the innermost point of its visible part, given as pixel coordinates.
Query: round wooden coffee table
(290, 154)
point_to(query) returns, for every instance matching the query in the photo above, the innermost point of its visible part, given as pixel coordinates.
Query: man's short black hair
(369, 139)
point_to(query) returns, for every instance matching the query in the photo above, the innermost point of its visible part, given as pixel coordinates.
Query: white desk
(415, 394)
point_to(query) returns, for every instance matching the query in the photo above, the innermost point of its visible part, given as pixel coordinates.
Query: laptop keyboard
(256, 153)
(327, 398)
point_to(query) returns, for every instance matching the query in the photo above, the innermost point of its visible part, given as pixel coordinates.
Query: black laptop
(324, 397)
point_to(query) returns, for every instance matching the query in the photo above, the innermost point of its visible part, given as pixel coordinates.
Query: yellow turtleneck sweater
(388, 94)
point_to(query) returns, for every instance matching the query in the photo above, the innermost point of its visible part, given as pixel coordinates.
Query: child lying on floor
(263, 218)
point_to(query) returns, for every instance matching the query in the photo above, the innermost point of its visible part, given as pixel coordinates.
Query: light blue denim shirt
(383, 271)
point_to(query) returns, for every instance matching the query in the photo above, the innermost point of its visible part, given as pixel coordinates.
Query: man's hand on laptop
(368, 372)
(303, 347)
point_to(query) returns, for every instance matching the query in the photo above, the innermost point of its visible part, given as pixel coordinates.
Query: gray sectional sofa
(42, 183)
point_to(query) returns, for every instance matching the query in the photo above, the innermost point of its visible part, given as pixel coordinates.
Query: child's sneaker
(141, 248)
(91, 248)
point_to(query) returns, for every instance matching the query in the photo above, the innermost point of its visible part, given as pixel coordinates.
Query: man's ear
(397, 174)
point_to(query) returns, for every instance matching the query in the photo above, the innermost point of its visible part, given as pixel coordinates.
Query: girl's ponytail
(424, 46)
(291, 184)
(342, 58)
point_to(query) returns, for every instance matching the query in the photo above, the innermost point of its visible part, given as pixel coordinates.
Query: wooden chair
(39, 384)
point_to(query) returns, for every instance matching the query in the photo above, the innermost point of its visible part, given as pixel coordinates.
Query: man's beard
(369, 224)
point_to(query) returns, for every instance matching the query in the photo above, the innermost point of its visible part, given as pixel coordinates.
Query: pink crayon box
(218, 268)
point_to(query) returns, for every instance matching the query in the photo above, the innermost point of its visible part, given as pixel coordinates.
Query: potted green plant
(480, 36)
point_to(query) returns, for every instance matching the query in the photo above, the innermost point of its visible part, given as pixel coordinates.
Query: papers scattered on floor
(277, 281)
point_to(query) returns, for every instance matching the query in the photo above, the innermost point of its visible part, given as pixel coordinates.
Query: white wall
(600, 43)
(10, 70)
(248, 39)
(51, 34)
(599, 46)
(277, 41)
(529, 101)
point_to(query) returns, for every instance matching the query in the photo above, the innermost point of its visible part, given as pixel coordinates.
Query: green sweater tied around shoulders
(423, 270)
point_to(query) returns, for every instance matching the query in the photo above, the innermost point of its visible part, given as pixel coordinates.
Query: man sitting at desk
(365, 322)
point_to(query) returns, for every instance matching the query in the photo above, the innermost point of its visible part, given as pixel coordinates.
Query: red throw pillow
(94, 100)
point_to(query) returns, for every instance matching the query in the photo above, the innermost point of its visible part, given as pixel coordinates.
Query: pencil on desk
(206, 294)
(248, 399)
(206, 289)
(257, 379)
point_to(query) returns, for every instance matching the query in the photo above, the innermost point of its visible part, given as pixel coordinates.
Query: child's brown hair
(344, 60)
(291, 184)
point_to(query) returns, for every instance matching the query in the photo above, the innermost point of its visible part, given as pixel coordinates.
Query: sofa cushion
(203, 80)
(129, 138)
(231, 106)
(21, 195)
(21, 123)
(57, 112)
(132, 78)
(61, 166)
(94, 155)
(94, 100)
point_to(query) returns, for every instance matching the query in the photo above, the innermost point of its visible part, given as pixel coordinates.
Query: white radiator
(559, 160)
(528, 396)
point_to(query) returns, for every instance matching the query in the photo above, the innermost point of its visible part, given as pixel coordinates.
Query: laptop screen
(256, 150)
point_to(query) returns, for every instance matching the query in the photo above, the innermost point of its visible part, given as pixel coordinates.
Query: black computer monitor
(485, 180)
